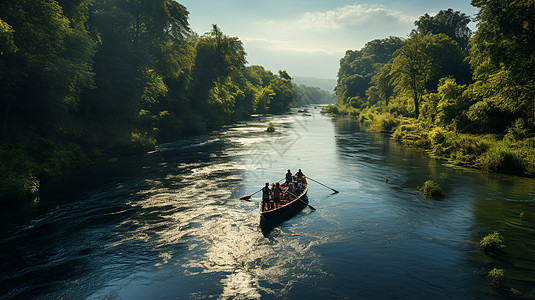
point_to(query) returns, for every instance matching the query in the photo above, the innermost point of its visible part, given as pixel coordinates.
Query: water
(172, 226)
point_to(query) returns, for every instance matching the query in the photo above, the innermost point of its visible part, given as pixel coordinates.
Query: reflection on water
(172, 226)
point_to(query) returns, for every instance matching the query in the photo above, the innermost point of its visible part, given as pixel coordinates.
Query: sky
(309, 37)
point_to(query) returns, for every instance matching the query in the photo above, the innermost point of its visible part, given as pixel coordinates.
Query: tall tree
(449, 22)
(412, 69)
(51, 67)
(503, 57)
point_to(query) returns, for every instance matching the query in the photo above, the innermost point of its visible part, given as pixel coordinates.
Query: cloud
(332, 31)
(352, 15)
(315, 41)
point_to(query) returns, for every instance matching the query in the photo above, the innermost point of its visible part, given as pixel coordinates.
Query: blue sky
(308, 38)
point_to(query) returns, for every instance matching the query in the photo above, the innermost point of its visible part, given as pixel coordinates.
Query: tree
(448, 22)
(50, 69)
(219, 60)
(423, 61)
(503, 57)
(357, 68)
(412, 69)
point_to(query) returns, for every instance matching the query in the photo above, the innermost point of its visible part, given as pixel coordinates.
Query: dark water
(171, 226)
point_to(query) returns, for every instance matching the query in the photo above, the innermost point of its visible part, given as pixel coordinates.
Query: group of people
(280, 194)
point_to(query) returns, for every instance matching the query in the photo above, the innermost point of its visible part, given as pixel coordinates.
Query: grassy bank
(510, 153)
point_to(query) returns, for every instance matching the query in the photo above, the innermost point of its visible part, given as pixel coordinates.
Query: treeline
(307, 95)
(87, 79)
(468, 98)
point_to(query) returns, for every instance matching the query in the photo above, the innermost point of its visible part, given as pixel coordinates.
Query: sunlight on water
(177, 229)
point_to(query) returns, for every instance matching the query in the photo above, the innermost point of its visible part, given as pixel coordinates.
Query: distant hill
(324, 84)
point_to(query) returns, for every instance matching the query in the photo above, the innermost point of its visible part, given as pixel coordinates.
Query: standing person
(277, 195)
(288, 177)
(265, 196)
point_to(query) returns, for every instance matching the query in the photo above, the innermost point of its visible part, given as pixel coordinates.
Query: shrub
(500, 158)
(492, 242)
(386, 123)
(437, 135)
(496, 277)
(432, 190)
(142, 142)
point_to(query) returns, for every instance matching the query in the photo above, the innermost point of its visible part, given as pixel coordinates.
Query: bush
(501, 158)
(496, 277)
(142, 142)
(18, 185)
(432, 190)
(386, 123)
(491, 242)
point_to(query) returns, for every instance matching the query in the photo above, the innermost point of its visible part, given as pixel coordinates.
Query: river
(171, 225)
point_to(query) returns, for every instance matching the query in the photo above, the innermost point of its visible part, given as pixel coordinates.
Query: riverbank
(511, 153)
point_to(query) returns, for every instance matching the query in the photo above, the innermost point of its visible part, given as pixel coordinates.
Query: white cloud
(333, 31)
(351, 16)
(317, 40)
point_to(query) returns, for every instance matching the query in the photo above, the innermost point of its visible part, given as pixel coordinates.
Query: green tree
(503, 58)
(357, 68)
(423, 61)
(412, 69)
(51, 67)
(448, 22)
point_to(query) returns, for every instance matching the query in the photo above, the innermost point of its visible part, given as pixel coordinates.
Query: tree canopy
(493, 71)
(86, 79)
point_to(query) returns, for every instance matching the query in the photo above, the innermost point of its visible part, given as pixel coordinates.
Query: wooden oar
(249, 197)
(335, 191)
(301, 200)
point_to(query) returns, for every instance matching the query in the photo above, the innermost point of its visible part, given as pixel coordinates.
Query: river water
(171, 225)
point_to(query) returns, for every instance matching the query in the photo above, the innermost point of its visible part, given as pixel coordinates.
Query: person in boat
(299, 174)
(265, 196)
(277, 195)
(288, 177)
(291, 187)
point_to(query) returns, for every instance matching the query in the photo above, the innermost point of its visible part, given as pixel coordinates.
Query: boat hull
(271, 219)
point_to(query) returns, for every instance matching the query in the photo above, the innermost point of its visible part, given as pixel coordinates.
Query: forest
(468, 97)
(91, 80)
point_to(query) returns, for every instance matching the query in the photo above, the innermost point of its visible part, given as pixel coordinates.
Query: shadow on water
(172, 226)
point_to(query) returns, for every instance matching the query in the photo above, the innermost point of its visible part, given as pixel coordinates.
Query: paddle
(301, 200)
(249, 197)
(335, 191)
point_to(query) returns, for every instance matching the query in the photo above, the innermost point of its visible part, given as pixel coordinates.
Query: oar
(301, 200)
(335, 191)
(249, 197)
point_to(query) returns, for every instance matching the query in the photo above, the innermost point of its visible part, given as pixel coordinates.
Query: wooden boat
(269, 219)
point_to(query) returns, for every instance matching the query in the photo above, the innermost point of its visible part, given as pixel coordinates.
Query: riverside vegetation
(469, 99)
(91, 80)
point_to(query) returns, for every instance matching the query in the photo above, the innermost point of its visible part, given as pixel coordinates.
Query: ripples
(177, 229)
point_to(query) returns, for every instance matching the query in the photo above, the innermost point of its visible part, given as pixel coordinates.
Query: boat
(269, 219)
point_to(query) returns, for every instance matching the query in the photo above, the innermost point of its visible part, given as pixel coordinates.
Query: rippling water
(172, 225)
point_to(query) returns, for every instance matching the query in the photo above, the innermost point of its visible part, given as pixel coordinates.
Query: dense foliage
(469, 99)
(88, 79)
